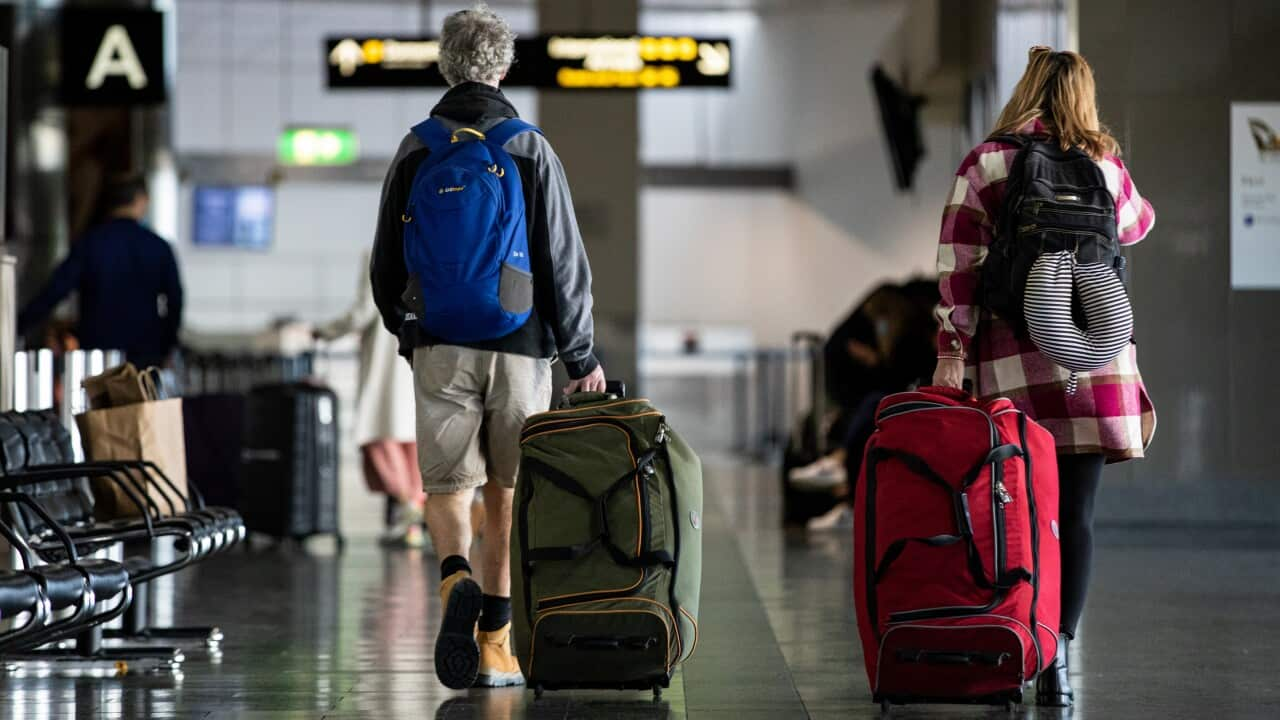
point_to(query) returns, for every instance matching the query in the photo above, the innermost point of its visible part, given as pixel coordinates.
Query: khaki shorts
(471, 406)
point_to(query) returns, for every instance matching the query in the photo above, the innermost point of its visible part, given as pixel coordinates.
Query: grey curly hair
(476, 45)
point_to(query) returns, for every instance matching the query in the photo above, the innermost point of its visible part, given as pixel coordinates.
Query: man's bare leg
(449, 522)
(495, 548)
(457, 655)
(497, 665)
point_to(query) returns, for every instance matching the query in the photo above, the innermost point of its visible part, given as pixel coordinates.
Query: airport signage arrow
(564, 62)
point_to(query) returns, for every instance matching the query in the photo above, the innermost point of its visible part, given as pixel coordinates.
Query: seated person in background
(130, 293)
(885, 346)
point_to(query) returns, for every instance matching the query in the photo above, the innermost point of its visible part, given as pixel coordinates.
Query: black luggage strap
(895, 549)
(602, 535)
(998, 454)
(960, 508)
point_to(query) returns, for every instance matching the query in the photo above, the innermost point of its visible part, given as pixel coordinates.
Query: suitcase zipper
(1035, 538)
(911, 407)
(1036, 227)
(999, 496)
(950, 611)
(571, 423)
(922, 406)
(576, 599)
(1039, 205)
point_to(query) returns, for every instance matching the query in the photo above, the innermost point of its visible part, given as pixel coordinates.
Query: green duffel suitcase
(606, 546)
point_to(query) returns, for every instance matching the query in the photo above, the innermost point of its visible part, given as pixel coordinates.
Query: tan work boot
(457, 654)
(498, 667)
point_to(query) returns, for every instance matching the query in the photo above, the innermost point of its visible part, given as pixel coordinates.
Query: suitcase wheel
(885, 707)
(538, 690)
(657, 693)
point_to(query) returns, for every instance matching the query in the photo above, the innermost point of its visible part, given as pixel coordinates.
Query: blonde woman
(1096, 417)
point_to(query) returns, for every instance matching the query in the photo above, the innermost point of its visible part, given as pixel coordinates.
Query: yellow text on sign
(652, 76)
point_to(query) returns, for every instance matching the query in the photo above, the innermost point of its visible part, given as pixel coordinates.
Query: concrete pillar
(597, 137)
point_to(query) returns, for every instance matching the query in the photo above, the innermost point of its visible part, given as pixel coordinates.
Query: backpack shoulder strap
(502, 133)
(433, 134)
(1020, 141)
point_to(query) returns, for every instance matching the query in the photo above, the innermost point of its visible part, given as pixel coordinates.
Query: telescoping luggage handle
(613, 390)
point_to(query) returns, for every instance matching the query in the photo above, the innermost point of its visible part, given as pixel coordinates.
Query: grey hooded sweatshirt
(561, 322)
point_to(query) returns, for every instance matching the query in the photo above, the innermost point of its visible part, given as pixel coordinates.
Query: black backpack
(1055, 200)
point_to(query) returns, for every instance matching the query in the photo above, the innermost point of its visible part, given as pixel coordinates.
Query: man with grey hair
(479, 373)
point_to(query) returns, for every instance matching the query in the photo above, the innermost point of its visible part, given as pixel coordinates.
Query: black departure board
(566, 62)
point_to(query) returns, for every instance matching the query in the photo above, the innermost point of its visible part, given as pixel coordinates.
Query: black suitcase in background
(213, 427)
(289, 474)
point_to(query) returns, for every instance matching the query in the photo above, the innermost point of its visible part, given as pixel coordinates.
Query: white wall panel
(255, 116)
(322, 230)
(762, 259)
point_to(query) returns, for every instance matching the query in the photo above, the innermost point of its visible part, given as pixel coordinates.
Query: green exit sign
(317, 146)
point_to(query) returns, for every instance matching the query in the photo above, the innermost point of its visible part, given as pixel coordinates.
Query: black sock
(453, 564)
(496, 613)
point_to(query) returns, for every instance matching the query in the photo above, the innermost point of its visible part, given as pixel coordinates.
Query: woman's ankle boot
(1053, 688)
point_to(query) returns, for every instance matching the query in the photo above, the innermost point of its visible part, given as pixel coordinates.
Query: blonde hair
(1058, 89)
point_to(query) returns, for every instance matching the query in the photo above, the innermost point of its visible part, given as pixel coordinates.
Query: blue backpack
(465, 244)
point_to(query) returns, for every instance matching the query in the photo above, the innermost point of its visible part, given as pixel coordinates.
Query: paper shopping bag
(138, 431)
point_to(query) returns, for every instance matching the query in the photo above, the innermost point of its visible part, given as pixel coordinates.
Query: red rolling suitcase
(956, 559)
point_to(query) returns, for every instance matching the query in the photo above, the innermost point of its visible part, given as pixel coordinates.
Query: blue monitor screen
(235, 216)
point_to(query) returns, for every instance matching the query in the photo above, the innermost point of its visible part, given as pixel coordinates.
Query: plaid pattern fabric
(1110, 412)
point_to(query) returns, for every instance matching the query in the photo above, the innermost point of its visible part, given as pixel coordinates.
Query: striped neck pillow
(1054, 280)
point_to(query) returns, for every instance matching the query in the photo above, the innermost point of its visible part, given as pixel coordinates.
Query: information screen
(567, 62)
(234, 216)
(1255, 196)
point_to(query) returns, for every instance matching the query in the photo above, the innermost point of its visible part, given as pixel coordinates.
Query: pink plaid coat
(1110, 412)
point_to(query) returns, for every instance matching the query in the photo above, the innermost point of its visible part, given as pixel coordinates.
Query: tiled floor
(1183, 624)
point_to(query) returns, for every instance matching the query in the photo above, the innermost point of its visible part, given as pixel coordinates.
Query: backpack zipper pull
(1003, 493)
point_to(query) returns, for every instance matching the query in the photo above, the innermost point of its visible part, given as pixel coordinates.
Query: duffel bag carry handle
(613, 390)
(953, 393)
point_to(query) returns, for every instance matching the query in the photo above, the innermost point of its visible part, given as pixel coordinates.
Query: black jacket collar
(474, 103)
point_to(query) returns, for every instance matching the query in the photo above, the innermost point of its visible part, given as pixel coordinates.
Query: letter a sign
(116, 56)
(112, 57)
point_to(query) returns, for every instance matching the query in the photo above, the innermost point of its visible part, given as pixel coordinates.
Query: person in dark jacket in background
(130, 292)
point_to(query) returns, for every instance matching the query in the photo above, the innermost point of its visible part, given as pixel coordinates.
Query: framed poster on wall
(1255, 196)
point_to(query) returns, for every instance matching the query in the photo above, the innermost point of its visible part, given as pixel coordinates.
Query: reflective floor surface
(1183, 623)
